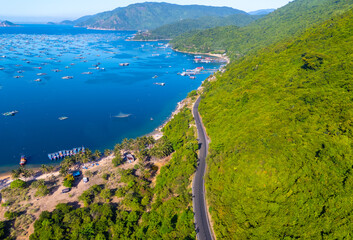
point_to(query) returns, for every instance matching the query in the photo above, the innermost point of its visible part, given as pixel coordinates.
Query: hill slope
(172, 30)
(150, 15)
(281, 127)
(284, 23)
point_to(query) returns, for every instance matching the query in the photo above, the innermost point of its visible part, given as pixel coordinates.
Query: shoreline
(221, 56)
(6, 177)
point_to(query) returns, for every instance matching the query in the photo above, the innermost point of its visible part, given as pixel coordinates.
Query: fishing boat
(65, 153)
(23, 160)
(12, 113)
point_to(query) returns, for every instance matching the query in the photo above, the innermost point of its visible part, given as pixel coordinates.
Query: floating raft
(65, 153)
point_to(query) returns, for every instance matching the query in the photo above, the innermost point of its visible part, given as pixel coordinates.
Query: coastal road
(202, 224)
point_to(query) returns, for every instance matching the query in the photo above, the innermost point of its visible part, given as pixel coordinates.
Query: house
(130, 158)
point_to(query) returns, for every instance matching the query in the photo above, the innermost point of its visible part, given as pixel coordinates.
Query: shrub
(192, 93)
(18, 183)
(105, 176)
(42, 190)
(10, 215)
(117, 160)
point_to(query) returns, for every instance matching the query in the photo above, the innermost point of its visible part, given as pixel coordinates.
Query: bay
(103, 102)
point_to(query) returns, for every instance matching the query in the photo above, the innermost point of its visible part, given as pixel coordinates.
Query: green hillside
(145, 210)
(149, 15)
(284, 23)
(281, 155)
(172, 30)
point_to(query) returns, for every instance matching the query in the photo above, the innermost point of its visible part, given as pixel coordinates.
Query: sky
(57, 10)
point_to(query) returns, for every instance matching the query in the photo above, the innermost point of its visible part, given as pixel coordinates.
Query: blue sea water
(90, 101)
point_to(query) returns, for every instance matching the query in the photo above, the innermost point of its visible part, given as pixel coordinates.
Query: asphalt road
(202, 225)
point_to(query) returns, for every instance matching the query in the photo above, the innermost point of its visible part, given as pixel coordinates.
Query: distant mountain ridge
(149, 15)
(172, 30)
(262, 11)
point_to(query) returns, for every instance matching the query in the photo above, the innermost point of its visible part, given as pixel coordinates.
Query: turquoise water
(91, 102)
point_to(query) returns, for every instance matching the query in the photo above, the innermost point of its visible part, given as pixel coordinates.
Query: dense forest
(284, 23)
(173, 30)
(161, 210)
(280, 121)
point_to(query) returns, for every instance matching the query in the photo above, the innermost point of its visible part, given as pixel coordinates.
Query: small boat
(41, 74)
(18, 76)
(63, 118)
(23, 160)
(68, 77)
(12, 113)
(124, 64)
(38, 80)
(87, 73)
(192, 77)
(155, 76)
(159, 84)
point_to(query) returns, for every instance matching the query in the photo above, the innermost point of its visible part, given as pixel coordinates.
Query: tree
(68, 181)
(107, 152)
(16, 173)
(106, 194)
(97, 154)
(44, 168)
(64, 170)
(27, 173)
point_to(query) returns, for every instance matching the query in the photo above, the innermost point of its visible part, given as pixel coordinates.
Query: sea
(51, 72)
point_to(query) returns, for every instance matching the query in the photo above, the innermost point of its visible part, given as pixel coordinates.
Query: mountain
(77, 21)
(284, 23)
(262, 11)
(172, 30)
(280, 121)
(7, 24)
(149, 15)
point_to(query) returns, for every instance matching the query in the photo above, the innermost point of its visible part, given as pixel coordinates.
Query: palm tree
(27, 173)
(88, 154)
(97, 154)
(44, 168)
(16, 173)
(51, 168)
(106, 152)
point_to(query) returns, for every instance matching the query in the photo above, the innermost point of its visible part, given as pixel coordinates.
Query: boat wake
(122, 115)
